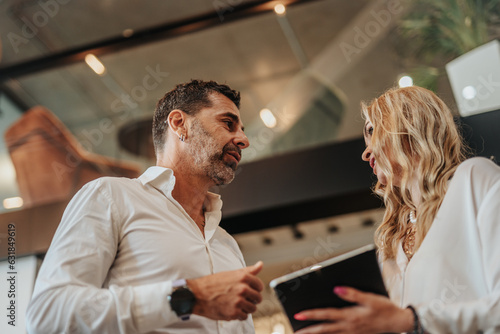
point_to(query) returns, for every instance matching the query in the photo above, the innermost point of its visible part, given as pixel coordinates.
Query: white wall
(9, 113)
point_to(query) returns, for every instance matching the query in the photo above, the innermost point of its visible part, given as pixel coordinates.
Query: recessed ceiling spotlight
(127, 33)
(368, 222)
(405, 81)
(13, 202)
(333, 229)
(268, 118)
(95, 64)
(469, 92)
(280, 9)
(297, 234)
(267, 241)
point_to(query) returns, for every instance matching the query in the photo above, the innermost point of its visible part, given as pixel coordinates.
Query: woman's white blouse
(453, 280)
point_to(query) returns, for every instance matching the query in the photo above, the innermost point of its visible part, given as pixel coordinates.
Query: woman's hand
(372, 314)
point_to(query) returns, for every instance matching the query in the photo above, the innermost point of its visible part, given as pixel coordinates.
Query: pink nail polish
(339, 290)
(299, 316)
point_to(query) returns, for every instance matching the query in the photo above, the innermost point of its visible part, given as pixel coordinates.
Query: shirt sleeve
(481, 315)
(69, 296)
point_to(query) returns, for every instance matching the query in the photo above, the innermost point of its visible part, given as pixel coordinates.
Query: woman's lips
(373, 162)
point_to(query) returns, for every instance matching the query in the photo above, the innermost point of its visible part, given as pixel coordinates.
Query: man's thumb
(256, 268)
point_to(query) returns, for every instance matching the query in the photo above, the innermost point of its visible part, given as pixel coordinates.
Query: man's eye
(229, 123)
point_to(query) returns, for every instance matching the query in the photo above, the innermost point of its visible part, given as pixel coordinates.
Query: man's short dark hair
(189, 97)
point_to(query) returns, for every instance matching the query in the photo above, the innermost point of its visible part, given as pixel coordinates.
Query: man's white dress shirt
(119, 246)
(453, 279)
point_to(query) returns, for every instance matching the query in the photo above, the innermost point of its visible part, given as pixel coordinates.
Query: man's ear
(177, 122)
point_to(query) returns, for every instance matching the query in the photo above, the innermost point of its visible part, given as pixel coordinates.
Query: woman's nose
(367, 153)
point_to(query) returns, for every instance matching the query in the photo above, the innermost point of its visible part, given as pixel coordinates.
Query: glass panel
(35, 28)
(310, 68)
(257, 56)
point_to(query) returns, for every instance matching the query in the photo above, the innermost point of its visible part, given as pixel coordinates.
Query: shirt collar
(163, 179)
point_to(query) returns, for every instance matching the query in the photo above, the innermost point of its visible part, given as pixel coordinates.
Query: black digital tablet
(312, 287)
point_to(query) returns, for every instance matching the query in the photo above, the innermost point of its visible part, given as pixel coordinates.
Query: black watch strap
(181, 299)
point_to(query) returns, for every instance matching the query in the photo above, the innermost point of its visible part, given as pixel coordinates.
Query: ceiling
(291, 64)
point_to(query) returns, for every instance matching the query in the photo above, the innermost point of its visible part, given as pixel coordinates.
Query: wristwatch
(181, 299)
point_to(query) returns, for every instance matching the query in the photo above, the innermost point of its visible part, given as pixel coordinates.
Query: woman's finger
(328, 314)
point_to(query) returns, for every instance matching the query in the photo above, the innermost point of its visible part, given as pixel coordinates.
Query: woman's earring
(181, 138)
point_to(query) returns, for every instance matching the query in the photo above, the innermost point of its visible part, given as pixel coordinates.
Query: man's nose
(241, 140)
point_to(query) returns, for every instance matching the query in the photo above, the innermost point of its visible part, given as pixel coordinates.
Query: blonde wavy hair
(414, 134)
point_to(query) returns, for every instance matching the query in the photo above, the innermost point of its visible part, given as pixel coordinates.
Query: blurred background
(79, 81)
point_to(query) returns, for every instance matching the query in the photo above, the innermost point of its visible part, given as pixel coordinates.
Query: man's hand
(228, 295)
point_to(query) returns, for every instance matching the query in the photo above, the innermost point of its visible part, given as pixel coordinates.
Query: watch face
(182, 301)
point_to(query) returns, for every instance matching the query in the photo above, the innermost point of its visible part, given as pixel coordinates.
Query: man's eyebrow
(234, 117)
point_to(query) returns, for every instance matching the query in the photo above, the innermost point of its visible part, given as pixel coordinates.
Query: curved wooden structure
(50, 163)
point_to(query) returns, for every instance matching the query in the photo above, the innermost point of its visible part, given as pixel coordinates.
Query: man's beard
(207, 155)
